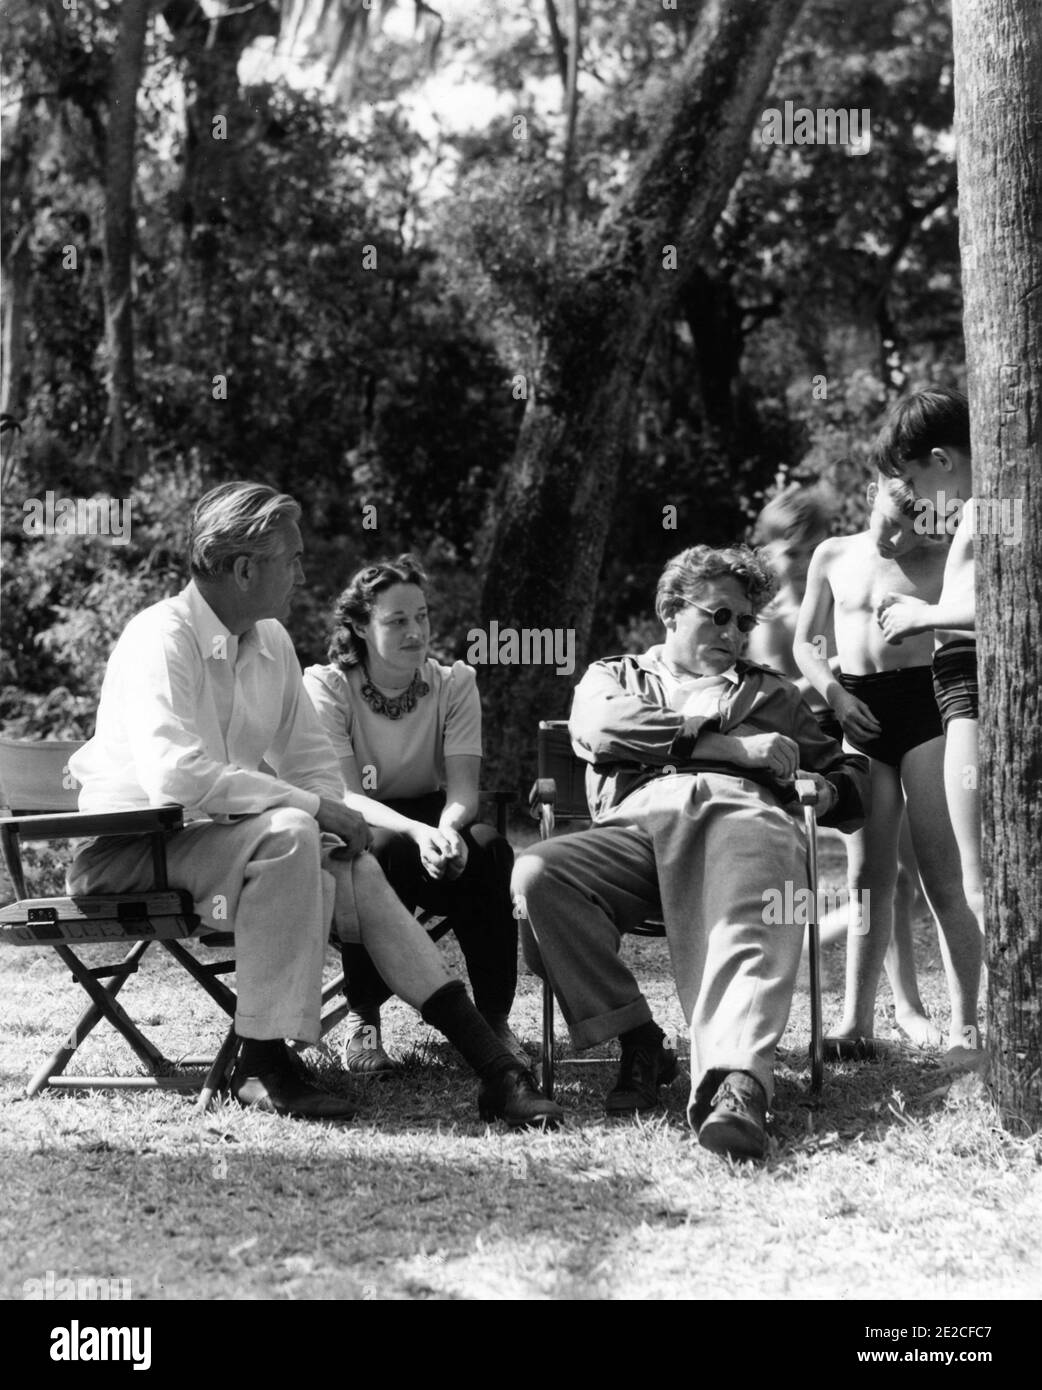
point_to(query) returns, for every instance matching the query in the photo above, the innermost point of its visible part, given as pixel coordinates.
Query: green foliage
(392, 387)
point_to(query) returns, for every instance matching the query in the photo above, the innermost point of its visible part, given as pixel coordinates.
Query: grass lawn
(898, 1184)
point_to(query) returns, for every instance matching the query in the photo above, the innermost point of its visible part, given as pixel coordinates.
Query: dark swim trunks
(955, 680)
(905, 705)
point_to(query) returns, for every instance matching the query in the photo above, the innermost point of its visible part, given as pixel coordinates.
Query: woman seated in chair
(407, 732)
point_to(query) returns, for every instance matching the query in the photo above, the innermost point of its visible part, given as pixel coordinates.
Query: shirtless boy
(789, 529)
(926, 440)
(883, 697)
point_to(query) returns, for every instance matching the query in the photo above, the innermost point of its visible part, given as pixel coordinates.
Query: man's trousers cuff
(588, 1032)
(293, 1026)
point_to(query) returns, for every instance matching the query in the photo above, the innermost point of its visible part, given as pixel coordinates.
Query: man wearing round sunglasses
(692, 752)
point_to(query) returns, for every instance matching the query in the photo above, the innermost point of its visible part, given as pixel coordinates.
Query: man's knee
(370, 881)
(530, 881)
(288, 829)
(487, 845)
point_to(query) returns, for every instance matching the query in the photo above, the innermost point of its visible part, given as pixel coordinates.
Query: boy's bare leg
(871, 871)
(909, 1012)
(962, 790)
(939, 866)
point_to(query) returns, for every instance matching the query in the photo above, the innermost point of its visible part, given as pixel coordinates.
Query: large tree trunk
(998, 78)
(120, 164)
(217, 115)
(218, 128)
(14, 367)
(551, 515)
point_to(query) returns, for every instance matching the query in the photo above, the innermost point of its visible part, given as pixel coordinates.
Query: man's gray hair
(236, 519)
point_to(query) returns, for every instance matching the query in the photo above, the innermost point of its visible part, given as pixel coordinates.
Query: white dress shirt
(189, 712)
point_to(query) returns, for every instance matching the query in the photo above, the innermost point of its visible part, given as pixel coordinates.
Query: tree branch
(560, 50)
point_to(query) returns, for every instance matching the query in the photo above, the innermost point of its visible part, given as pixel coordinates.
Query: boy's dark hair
(902, 492)
(356, 604)
(795, 513)
(937, 418)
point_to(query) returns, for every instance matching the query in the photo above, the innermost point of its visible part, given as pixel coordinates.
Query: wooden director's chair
(38, 799)
(559, 795)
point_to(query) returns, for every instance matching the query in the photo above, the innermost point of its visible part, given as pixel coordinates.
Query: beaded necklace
(393, 706)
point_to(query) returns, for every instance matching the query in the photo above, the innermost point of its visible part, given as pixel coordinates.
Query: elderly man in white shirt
(203, 705)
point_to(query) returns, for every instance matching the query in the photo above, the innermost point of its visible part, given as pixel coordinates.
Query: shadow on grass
(226, 1223)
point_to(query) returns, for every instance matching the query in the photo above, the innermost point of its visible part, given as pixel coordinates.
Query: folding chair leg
(817, 1041)
(105, 1000)
(215, 988)
(87, 1021)
(548, 1041)
(340, 1011)
(219, 1071)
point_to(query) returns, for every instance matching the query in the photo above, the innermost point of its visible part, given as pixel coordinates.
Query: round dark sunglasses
(744, 622)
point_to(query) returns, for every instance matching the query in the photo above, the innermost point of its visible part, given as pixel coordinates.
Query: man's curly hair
(684, 579)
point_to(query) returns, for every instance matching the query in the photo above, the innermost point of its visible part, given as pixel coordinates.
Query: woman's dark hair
(356, 604)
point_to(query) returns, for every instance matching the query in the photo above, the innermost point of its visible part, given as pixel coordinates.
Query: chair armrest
(501, 800)
(150, 821)
(543, 793)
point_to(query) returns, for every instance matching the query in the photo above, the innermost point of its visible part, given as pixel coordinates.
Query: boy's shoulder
(838, 549)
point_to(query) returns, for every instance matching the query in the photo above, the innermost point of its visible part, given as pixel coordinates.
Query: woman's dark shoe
(643, 1071)
(512, 1096)
(736, 1126)
(363, 1054)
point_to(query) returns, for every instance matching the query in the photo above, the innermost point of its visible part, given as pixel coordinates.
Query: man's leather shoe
(280, 1092)
(512, 1096)
(364, 1054)
(643, 1071)
(736, 1123)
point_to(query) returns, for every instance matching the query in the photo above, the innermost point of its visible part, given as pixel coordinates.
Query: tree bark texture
(998, 87)
(127, 62)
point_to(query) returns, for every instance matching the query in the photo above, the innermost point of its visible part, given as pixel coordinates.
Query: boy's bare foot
(920, 1029)
(964, 1059)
